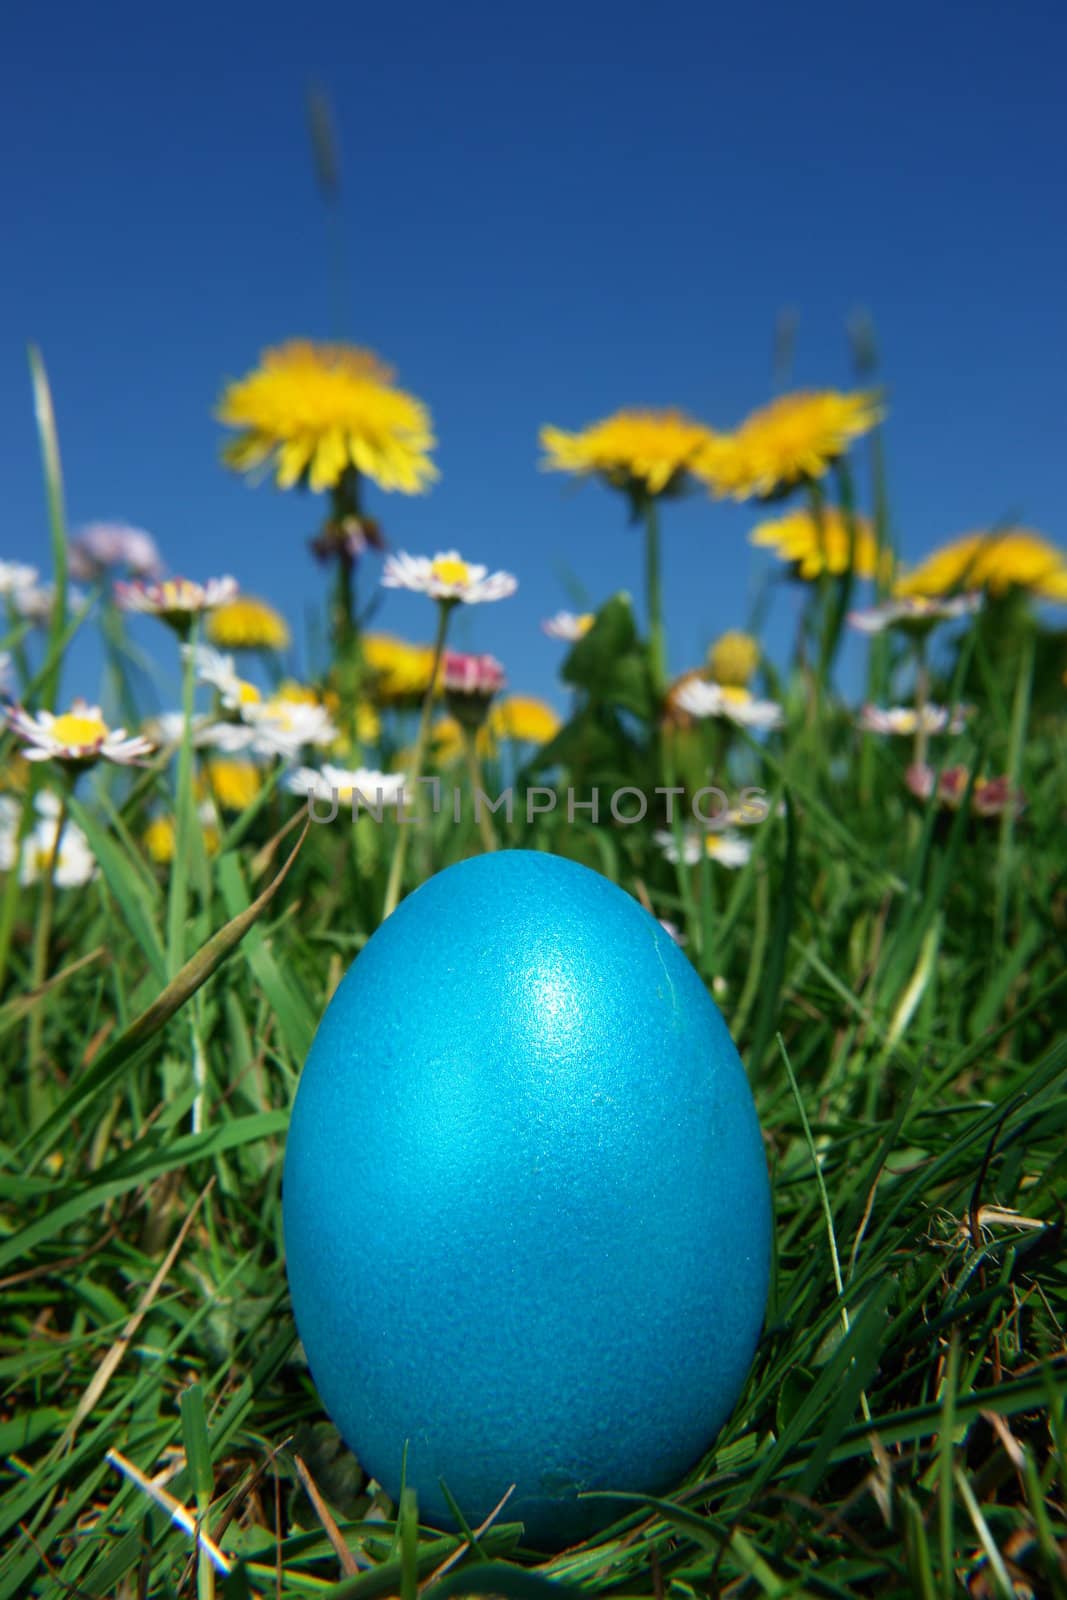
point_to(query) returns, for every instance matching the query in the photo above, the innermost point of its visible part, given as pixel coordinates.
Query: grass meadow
(873, 892)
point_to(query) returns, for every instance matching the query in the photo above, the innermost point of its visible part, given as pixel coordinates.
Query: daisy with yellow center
(447, 577)
(914, 613)
(733, 658)
(1018, 558)
(910, 720)
(248, 623)
(823, 544)
(281, 726)
(451, 581)
(310, 413)
(734, 704)
(78, 737)
(329, 783)
(568, 625)
(218, 670)
(792, 440)
(728, 849)
(650, 452)
(176, 601)
(58, 847)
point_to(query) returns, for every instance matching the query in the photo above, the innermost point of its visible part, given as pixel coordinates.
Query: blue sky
(549, 212)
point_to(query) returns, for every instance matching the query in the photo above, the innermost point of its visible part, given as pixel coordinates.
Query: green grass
(893, 974)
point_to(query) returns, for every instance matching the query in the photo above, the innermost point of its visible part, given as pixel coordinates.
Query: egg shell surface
(526, 1208)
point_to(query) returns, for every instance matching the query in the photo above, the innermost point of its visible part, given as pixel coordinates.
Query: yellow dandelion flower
(232, 784)
(522, 717)
(446, 738)
(248, 624)
(310, 412)
(996, 562)
(368, 724)
(792, 440)
(399, 671)
(368, 730)
(160, 837)
(822, 545)
(733, 658)
(648, 451)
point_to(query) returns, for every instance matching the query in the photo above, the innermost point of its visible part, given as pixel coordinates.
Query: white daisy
(737, 705)
(9, 822)
(569, 625)
(329, 783)
(75, 863)
(914, 611)
(905, 719)
(79, 735)
(101, 545)
(275, 727)
(15, 576)
(728, 849)
(447, 577)
(166, 728)
(175, 600)
(219, 671)
(35, 601)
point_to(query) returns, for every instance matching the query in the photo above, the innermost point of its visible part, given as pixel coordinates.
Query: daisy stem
(922, 697)
(10, 899)
(176, 904)
(396, 867)
(474, 774)
(39, 971)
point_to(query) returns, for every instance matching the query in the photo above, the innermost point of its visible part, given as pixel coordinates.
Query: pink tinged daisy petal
(175, 597)
(101, 545)
(79, 735)
(480, 676)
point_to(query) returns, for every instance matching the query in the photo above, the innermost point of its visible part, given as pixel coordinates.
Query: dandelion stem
(474, 773)
(396, 868)
(657, 647)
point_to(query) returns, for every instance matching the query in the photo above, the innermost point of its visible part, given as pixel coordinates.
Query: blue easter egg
(526, 1208)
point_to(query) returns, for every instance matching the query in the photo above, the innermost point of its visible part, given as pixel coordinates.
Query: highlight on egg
(526, 1208)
